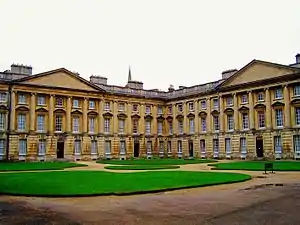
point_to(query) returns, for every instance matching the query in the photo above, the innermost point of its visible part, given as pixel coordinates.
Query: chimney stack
(297, 58)
(171, 88)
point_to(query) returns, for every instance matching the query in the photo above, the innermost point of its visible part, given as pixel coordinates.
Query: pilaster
(68, 115)
(236, 112)
(142, 119)
(185, 119)
(174, 121)
(13, 111)
(128, 128)
(154, 121)
(287, 107)
(115, 117)
(85, 117)
(50, 114)
(268, 109)
(221, 99)
(251, 110)
(196, 116)
(100, 117)
(32, 112)
(208, 117)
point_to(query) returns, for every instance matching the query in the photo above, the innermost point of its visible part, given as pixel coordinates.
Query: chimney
(171, 88)
(98, 80)
(228, 73)
(21, 69)
(298, 58)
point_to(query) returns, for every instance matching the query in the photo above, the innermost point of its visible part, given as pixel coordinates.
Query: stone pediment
(257, 71)
(60, 78)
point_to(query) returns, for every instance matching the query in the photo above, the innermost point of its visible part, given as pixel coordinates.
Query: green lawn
(142, 167)
(155, 161)
(258, 165)
(88, 183)
(27, 166)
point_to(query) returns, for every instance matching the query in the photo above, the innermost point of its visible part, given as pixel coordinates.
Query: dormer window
(191, 106)
(229, 101)
(180, 108)
(148, 109)
(260, 96)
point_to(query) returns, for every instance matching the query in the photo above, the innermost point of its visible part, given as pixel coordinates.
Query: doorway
(191, 148)
(136, 149)
(60, 150)
(259, 147)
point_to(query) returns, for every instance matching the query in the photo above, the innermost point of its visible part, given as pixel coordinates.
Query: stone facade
(250, 113)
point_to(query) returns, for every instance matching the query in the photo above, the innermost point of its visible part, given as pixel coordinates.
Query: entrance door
(259, 147)
(191, 148)
(136, 149)
(60, 150)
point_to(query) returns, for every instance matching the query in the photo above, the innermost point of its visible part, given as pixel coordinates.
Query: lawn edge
(126, 193)
(159, 167)
(41, 169)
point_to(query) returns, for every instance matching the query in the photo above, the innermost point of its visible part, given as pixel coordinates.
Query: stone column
(251, 110)
(13, 111)
(287, 107)
(51, 115)
(154, 120)
(142, 119)
(32, 113)
(268, 109)
(175, 121)
(85, 116)
(221, 99)
(69, 119)
(208, 117)
(100, 117)
(128, 128)
(185, 119)
(196, 117)
(236, 112)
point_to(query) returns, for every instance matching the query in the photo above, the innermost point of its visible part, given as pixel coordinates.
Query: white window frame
(202, 146)
(260, 97)
(92, 104)
(59, 102)
(192, 125)
(92, 124)
(229, 101)
(179, 146)
(161, 147)
(75, 103)
(121, 126)
(148, 109)
(41, 100)
(277, 144)
(170, 123)
(216, 146)
(58, 123)
(3, 97)
(159, 110)
(297, 90)
(180, 126)
(42, 147)
(121, 107)
(243, 145)
(297, 116)
(147, 127)
(22, 99)
(278, 94)
(180, 108)
(191, 106)
(106, 106)
(76, 124)
(94, 147)
(77, 147)
(22, 147)
(122, 147)
(169, 146)
(228, 148)
(230, 122)
(107, 147)
(244, 98)
(106, 125)
(216, 123)
(149, 147)
(135, 126)
(2, 121)
(216, 103)
(2, 148)
(261, 119)
(203, 104)
(21, 122)
(135, 107)
(159, 127)
(279, 117)
(245, 121)
(40, 123)
(203, 125)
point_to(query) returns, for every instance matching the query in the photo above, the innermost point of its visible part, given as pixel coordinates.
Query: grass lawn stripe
(92, 183)
(257, 165)
(156, 161)
(142, 167)
(28, 166)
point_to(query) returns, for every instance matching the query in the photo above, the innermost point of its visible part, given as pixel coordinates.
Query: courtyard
(197, 200)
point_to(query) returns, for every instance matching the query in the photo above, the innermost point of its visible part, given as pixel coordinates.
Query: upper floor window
(75, 124)
(297, 115)
(106, 125)
(229, 101)
(2, 121)
(191, 106)
(203, 104)
(40, 123)
(135, 107)
(21, 122)
(261, 119)
(170, 127)
(278, 93)
(180, 108)
(148, 109)
(148, 127)
(135, 125)
(160, 109)
(121, 106)
(3, 97)
(75, 103)
(192, 126)
(230, 123)
(58, 122)
(92, 122)
(160, 127)
(279, 117)
(216, 123)
(260, 96)
(216, 103)
(180, 127)
(22, 99)
(121, 126)
(59, 102)
(203, 124)
(91, 104)
(297, 90)
(41, 100)
(244, 98)
(107, 106)
(122, 147)
(170, 109)
(245, 121)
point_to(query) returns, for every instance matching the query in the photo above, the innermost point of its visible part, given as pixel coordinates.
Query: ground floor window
(277, 144)
(179, 147)
(77, 147)
(227, 145)
(122, 147)
(2, 147)
(22, 147)
(297, 144)
(94, 147)
(42, 147)
(161, 147)
(149, 147)
(243, 145)
(202, 146)
(107, 147)
(216, 145)
(169, 147)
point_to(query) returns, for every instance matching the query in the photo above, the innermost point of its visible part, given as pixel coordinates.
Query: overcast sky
(180, 42)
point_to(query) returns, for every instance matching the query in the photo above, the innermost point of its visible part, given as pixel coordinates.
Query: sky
(179, 42)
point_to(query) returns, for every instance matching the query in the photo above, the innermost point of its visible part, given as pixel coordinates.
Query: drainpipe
(8, 120)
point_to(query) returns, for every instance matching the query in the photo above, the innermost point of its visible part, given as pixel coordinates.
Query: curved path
(252, 202)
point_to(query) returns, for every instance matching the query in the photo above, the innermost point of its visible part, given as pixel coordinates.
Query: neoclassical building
(249, 113)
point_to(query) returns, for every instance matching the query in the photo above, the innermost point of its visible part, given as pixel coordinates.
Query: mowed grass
(89, 183)
(156, 161)
(258, 165)
(142, 167)
(28, 166)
